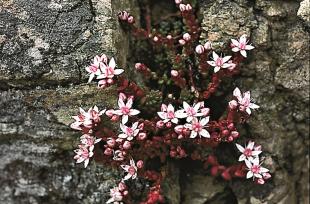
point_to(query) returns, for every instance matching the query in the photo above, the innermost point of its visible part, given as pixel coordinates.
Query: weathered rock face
(44, 47)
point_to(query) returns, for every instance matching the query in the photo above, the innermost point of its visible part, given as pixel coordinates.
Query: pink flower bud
(182, 42)
(169, 37)
(108, 151)
(225, 133)
(127, 145)
(180, 137)
(125, 193)
(232, 65)
(160, 124)
(141, 136)
(188, 7)
(140, 164)
(123, 15)
(214, 170)
(258, 148)
(226, 175)
(102, 83)
(233, 104)
(186, 37)
(182, 7)
(178, 1)
(119, 140)
(174, 73)
(208, 45)
(111, 142)
(234, 134)
(110, 81)
(199, 49)
(266, 176)
(231, 126)
(155, 39)
(131, 19)
(138, 66)
(205, 111)
(168, 124)
(173, 153)
(115, 118)
(122, 186)
(230, 138)
(109, 113)
(260, 181)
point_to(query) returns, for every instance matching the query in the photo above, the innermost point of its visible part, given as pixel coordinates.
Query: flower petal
(204, 133)
(240, 148)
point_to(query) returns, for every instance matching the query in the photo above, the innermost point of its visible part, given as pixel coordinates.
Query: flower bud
(169, 37)
(234, 134)
(125, 193)
(109, 113)
(182, 7)
(110, 81)
(180, 137)
(140, 164)
(102, 83)
(205, 111)
(168, 124)
(260, 181)
(122, 186)
(258, 148)
(226, 175)
(127, 145)
(266, 176)
(188, 7)
(138, 66)
(173, 153)
(160, 124)
(155, 39)
(123, 15)
(108, 151)
(178, 1)
(225, 133)
(111, 142)
(174, 73)
(182, 42)
(230, 139)
(208, 45)
(199, 49)
(214, 170)
(231, 126)
(115, 118)
(141, 136)
(233, 104)
(186, 37)
(131, 19)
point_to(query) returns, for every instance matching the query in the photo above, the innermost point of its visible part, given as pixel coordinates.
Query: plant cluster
(182, 122)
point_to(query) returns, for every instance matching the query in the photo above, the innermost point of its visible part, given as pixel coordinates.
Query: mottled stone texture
(44, 47)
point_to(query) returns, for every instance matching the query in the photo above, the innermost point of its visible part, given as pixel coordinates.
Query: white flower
(219, 62)
(129, 132)
(83, 154)
(244, 101)
(118, 155)
(88, 140)
(109, 71)
(125, 110)
(131, 170)
(116, 196)
(197, 127)
(241, 45)
(87, 119)
(248, 152)
(168, 114)
(192, 111)
(255, 169)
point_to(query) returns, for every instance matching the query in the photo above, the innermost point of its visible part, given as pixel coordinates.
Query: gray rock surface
(44, 47)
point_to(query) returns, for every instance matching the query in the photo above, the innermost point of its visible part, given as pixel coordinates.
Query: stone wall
(44, 47)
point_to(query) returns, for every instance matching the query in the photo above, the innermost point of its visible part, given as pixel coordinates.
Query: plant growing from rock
(173, 123)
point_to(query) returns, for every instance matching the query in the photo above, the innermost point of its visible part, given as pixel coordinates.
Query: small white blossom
(255, 169)
(125, 110)
(219, 62)
(116, 196)
(131, 170)
(109, 71)
(241, 45)
(197, 127)
(248, 152)
(129, 132)
(169, 114)
(83, 154)
(244, 101)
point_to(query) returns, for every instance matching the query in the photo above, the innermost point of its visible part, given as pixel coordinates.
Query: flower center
(170, 114)
(131, 170)
(197, 127)
(247, 152)
(219, 62)
(242, 46)
(129, 131)
(191, 111)
(125, 110)
(255, 169)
